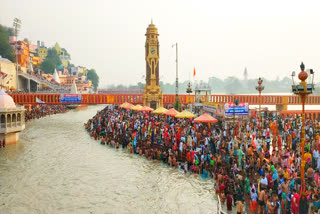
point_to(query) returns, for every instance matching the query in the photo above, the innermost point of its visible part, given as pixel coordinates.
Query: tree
(232, 85)
(6, 51)
(177, 104)
(51, 61)
(48, 66)
(216, 84)
(66, 54)
(93, 76)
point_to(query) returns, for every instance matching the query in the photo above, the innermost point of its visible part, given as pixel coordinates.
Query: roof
(4, 59)
(6, 101)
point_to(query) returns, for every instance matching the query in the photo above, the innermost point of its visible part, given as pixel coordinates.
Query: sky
(217, 38)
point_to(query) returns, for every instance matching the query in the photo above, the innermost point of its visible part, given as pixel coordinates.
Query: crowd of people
(255, 166)
(42, 110)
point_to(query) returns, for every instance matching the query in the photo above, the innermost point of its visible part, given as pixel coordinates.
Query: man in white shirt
(264, 180)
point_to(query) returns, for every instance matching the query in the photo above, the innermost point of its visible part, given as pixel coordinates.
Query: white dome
(55, 76)
(6, 101)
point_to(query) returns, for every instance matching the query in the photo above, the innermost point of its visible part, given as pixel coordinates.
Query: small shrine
(11, 119)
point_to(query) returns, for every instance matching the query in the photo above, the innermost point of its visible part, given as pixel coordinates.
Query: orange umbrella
(145, 108)
(171, 112)
(205, 118)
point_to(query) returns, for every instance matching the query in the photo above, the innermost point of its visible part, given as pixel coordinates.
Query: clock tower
(152, 94)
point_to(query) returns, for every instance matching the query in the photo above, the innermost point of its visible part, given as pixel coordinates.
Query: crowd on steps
(42, 110)
(258, 171)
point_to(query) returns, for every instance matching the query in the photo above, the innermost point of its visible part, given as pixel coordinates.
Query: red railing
(310, 114)
(167, 99)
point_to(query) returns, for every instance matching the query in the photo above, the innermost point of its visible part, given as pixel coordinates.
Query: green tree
(6, 51)
(51, 61)
(93, 76)
(232, 85)
(177, 104)
(66, 54)
(216, 84)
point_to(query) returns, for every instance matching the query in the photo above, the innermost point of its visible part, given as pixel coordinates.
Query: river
(57, 168)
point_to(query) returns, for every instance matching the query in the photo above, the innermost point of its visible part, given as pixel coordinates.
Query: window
(14, 119)
(9, 120)
(3, 121)
(18, 119)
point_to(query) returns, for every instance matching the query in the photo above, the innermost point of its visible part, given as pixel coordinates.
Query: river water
(57, 168)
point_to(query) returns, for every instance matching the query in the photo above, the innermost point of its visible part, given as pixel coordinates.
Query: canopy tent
(160, 110)
(185, 114)
(124, 104)
(205, 118)
(136, 107)
(39, 101)
(145, 108)
(171, 112)
(128, 106)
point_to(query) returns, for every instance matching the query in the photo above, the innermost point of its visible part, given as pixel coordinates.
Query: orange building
(66, 81)
(23, 54)
(82, 86)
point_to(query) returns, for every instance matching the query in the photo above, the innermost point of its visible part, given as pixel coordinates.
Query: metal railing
(38, 80)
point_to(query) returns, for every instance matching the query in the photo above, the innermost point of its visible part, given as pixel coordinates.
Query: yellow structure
(42, 53)
(152, 94)
(58, 49)
(62, 55)
(65, 63)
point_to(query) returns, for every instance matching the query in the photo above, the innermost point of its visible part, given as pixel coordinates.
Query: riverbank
(154, 152)
(57, 168)
(42, 110)
(247, 167)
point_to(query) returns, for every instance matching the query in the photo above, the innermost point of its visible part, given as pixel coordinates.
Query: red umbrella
(205, 118)
(171, 112)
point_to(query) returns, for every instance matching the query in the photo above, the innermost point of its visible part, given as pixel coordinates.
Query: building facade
(152, 93)
(7, 75)
(42, 51)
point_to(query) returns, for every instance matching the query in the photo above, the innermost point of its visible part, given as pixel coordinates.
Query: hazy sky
(220, 38)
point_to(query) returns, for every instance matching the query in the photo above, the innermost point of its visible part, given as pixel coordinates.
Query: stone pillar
(10, 138)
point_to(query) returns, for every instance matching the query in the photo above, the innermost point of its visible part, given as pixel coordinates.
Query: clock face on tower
(153, 51)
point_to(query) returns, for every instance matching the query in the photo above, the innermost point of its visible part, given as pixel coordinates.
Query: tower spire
(151, 21)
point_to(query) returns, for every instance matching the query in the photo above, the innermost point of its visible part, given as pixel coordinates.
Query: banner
(214, 108)
(230, 109)
(70, 98)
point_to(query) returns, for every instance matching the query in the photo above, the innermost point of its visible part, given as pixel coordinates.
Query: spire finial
(151, 21)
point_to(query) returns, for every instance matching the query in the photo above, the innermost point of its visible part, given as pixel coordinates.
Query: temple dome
(152, 29)
(74, 89)
(55, 76)
(6, 101)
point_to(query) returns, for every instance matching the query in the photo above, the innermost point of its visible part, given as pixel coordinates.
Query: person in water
(212, 151)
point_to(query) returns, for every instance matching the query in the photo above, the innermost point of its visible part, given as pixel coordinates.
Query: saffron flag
(194, 72)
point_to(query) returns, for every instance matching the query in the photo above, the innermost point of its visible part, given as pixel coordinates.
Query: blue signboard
(231, 109)
(70, 98)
